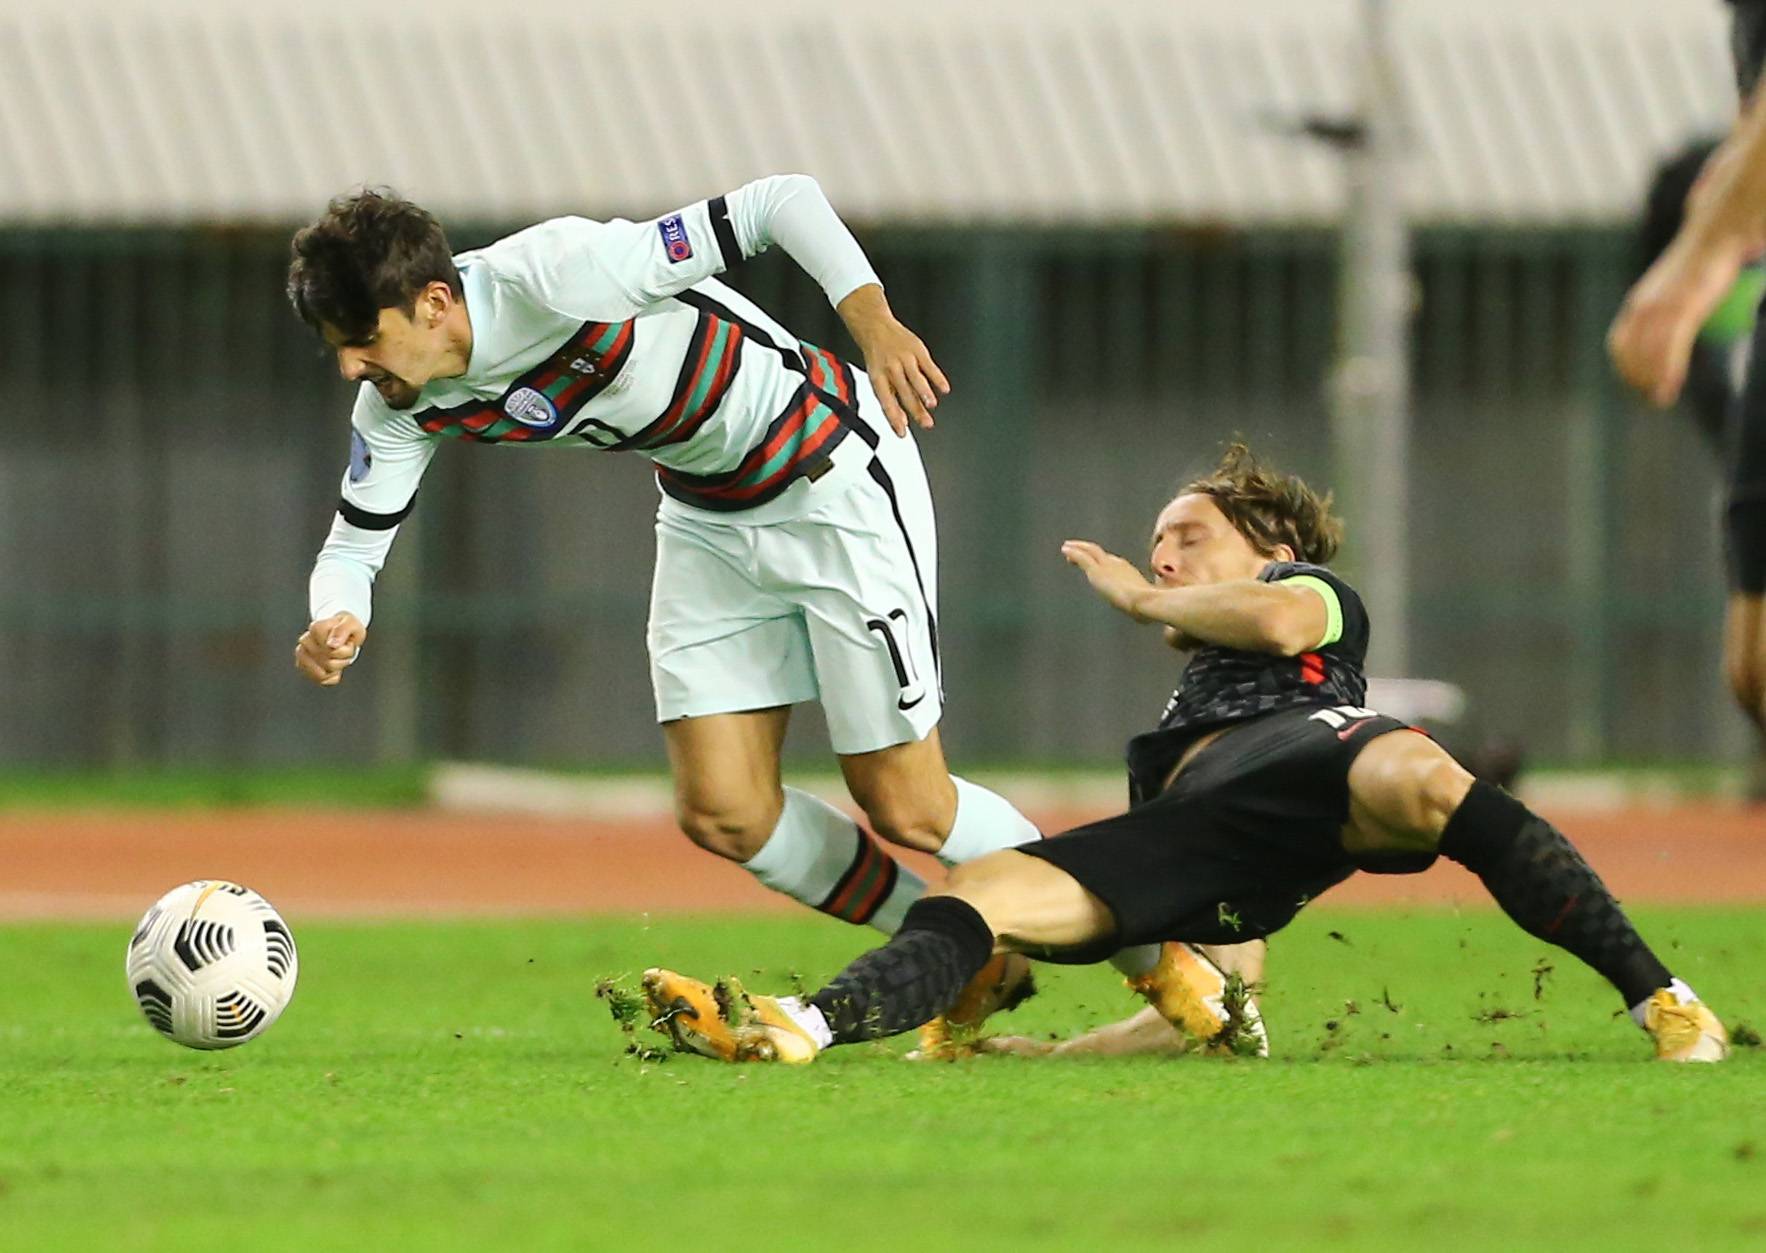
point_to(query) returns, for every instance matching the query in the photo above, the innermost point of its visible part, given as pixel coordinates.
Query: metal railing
(174, 438)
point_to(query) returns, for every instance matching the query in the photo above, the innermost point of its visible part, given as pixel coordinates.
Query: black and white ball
(212, 965)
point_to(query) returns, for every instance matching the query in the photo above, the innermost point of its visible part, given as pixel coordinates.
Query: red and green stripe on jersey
(714, 355)
(538, 404)
(541, 403)
(795, 443)
(820, 415)
(829, 375)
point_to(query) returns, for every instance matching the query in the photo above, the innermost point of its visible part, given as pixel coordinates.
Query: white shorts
(838, 605)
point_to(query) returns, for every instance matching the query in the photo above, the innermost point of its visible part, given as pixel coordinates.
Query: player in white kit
(795, 548)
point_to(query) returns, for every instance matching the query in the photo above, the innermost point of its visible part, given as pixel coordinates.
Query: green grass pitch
(456, 1085)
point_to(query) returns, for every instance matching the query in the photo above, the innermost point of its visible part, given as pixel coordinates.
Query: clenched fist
(328, 646)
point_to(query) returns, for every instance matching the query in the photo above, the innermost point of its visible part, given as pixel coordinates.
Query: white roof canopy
(914, 110)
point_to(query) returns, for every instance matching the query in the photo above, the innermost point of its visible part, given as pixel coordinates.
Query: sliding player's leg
(1005, 901)
(1409, 800)
(911, 798)
(1164, 868)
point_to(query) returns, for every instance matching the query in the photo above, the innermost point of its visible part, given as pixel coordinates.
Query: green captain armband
(1734, 317)
(1333, 606)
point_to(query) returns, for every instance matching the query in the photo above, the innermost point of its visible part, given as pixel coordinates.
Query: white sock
(985, 823)
(819, 856)
(1682, 993)
(1139, 960)
(809, 1018)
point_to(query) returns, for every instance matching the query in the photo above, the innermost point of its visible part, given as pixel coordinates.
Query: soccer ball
(212, 965)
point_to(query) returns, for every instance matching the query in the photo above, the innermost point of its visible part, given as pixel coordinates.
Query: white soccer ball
(212, 965)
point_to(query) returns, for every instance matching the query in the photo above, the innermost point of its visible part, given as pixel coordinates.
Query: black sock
(920, 973)
(1541, 881)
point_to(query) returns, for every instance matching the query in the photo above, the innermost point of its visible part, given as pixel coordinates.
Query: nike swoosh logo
(909, 704)
(1352, 728)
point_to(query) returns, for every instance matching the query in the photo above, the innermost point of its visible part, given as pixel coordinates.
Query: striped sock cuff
(867, 883)
(818, 855)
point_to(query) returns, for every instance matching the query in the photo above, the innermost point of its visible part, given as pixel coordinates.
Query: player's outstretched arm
(620, 268)
(388, 455)
(1245, 614)
(1651, 340)
(790, 210)
(327, 646)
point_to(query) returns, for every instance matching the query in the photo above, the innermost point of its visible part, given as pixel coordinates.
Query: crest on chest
(541, 403)
(530, 407)
(574, 360)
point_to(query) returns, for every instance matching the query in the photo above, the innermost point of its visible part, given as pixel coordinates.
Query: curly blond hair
(1269, 508)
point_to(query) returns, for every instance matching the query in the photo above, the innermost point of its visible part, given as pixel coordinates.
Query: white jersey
(615, 336)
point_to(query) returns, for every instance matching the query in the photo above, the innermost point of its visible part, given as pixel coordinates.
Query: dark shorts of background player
(1744, 510)
(1744, 527)
(1244, 836)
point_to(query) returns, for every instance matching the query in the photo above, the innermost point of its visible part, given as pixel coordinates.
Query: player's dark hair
(1269, 508)
(371, 250)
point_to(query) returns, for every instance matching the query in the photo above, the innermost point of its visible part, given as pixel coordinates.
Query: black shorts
(1744, 515)
(1744, 528)
(1245, 835)
(1747, 43)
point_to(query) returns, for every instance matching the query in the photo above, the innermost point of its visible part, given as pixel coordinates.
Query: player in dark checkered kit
(1265, 784)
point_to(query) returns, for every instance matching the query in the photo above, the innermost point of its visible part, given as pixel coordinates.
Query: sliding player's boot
(1211, 1007)
(1004, 983)
(1684, 1031)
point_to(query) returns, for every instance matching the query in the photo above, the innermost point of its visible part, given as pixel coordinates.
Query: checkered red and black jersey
(1221, 686)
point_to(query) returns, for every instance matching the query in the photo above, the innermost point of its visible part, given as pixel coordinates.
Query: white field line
(71, 906)
(482, 788)
(125, 910)
(476, 787)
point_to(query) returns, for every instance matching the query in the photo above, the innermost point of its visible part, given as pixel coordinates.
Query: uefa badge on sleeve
(674, 238)
(361, 458)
